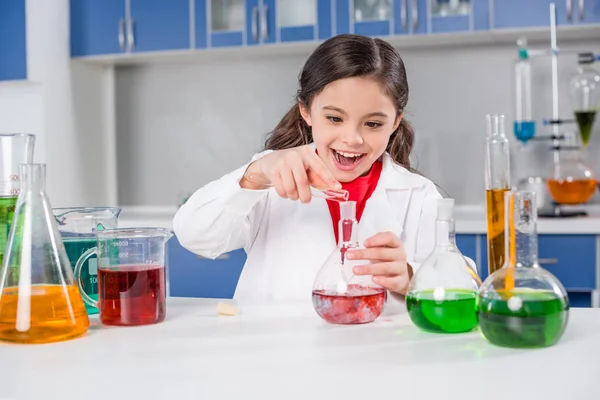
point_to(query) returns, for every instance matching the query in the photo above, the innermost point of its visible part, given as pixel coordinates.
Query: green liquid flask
(522, 305)
(585, 95)
(442, 294)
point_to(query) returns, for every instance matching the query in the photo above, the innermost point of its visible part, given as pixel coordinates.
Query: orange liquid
(56, 313)
(572, 192)
(495, 228)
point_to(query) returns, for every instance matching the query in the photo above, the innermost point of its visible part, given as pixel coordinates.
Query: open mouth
(347, 159)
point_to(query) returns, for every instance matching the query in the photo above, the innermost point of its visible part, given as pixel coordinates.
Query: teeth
(349, 155)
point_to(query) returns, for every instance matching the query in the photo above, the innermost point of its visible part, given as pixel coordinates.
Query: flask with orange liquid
(40, 303)
(573, 181)
(497, 182)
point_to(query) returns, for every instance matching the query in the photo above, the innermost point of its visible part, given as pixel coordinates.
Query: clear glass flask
(40, 301)
(522, 305)
(442, 294)
(15, 149)
(524, 125)
(585, 95)
(78, 227)
(573, 181)
(339, 296)
(497, 182)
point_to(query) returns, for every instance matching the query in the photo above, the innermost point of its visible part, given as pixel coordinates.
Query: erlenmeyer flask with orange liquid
(573, 181)
(41, 303)
(497, 183)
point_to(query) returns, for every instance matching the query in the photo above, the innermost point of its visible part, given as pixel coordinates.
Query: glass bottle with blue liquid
(524, 125)
(78, 228)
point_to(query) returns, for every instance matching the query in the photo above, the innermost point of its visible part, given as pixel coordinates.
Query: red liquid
(132, 295)
(359, 305)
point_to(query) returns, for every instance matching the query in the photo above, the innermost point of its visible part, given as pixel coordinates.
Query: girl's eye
(372, 124)
(335, 120)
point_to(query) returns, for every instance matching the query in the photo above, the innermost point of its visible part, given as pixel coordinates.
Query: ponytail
(292, 131)
(401, 144)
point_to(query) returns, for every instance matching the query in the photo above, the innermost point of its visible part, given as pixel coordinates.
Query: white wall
(207, 118)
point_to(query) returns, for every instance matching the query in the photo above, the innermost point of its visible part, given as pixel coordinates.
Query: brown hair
(340, 57)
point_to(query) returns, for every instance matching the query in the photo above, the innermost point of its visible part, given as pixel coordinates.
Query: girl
(347, 131)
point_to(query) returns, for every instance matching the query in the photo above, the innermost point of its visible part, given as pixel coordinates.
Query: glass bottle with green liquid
(442, 294)
(15, 149)
(522, 305)
(585, 95)
(78, 227)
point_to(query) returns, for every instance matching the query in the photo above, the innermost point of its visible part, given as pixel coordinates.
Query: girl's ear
(398, 120)
(305, 113)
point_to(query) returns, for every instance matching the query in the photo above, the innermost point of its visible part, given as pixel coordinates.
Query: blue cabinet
(117, 26)
(470, 15)
(294, 21)
(13, 43)
(467, 244)
(530, 13)
(589, 13)
(157, 25)
(367, 18)
(97, 27)
(193, 276)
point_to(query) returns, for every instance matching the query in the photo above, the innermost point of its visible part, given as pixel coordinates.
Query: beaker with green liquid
(15, 149)
(442, 294)
(78, 227)
(522, 305)
(585, 95)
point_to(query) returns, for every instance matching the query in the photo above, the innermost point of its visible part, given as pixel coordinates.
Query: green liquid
(89, 272)
(585, 120)
(7, 211)
(455, 313)
(540, 320)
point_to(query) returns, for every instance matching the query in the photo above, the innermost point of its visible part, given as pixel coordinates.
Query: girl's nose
(352, 137)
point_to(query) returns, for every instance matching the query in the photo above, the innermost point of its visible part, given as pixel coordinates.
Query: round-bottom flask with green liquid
(522, 305)
(442, 294)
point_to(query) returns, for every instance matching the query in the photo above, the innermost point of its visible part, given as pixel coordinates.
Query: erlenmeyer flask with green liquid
(40, 302)
(442, 294)
(522, 305)
(585, 95)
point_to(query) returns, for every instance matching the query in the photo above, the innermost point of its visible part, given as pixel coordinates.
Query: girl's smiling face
(352, 120)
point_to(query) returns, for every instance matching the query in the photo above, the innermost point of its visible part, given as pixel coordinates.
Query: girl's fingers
(289, 184)
(381, 268)
(302, 184)
(277, 183)
(394, 283)
(388, 239)
(376, 253)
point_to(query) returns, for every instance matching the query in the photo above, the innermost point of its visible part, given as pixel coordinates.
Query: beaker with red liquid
(132, 287)
(339, 296)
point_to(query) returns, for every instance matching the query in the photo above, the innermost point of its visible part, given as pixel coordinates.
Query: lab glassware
(442, 294)
(522, 305)
(15, 149)
(497, 182)
(78, 227)
(339, 296)
(524, 125)
(585, 95)
(131, 275)
(39, 302)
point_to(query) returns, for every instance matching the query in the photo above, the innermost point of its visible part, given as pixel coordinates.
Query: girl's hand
(292, 172)
(389, 267)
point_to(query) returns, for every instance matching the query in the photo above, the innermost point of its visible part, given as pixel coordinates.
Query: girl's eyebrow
(373, 114)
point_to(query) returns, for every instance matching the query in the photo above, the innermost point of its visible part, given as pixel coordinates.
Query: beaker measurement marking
(122, 243)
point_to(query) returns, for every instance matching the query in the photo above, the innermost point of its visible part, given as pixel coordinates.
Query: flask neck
(521, 248)
(348, 225)
(33, 177)
(444, 233)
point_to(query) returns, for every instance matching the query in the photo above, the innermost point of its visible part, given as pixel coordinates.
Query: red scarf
(360, 190)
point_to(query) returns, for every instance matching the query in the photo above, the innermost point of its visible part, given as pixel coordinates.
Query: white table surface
(285, 351)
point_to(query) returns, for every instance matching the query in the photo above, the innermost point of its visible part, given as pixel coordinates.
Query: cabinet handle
(130, 37)
(122, 34)
(415, 15)
(255, 23)
(263, 26)
(581, 9)
(547, 261)
(224, 256)
(569, 10)
(403, 7)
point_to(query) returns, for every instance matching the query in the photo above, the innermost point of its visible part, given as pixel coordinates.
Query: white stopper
(445, 208)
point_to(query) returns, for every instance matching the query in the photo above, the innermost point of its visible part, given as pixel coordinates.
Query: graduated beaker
(78, 228)
(131, 275)
(15, 149)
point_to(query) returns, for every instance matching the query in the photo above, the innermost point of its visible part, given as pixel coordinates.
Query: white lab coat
(287, 241)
